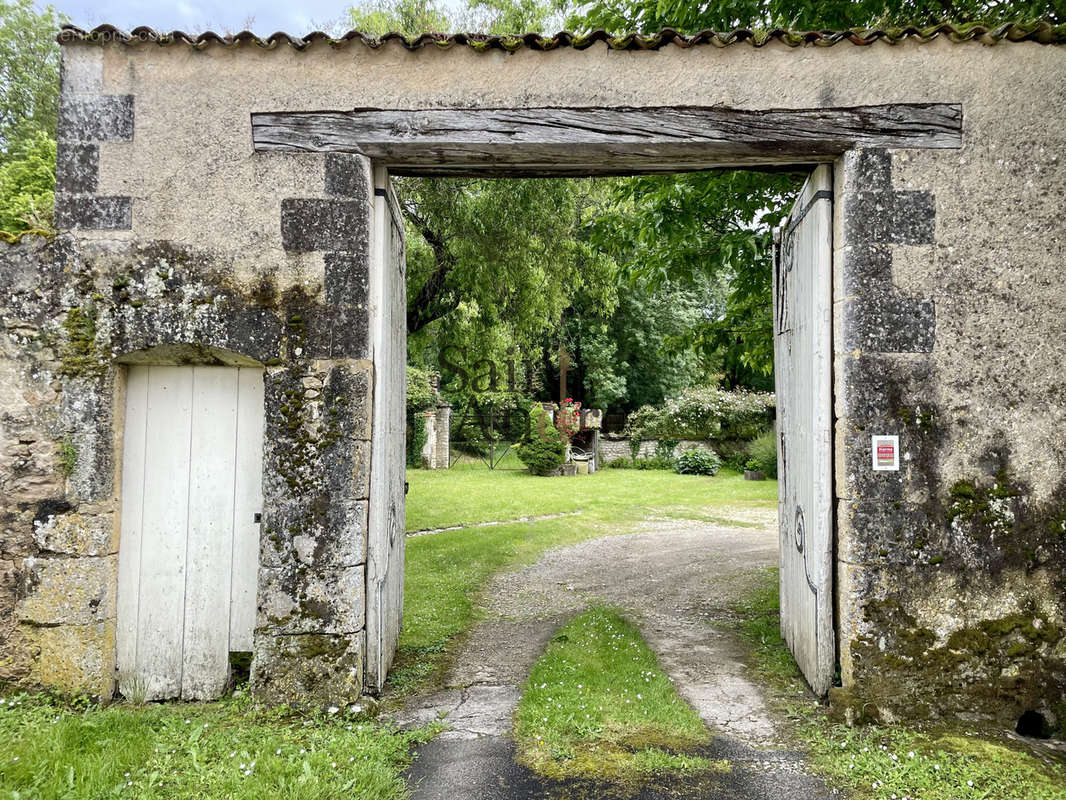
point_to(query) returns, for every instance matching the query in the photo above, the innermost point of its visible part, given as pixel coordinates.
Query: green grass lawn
(446, 571)
(54, 750)
(875, 762)
(598, 705)
(441, 498)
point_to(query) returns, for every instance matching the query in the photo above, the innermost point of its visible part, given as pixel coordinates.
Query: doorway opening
(544, 298)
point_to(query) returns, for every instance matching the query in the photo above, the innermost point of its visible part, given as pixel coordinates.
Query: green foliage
(763, 453)
(545, 448)
(725, 15)
(409, 17)
(705, 229)
(415, 17)
(186, 751)
(68, 456)
(27, 184)
(598, 705)
(704, 412)
(420, 398)
(698, 461)
(416, 439)
(29, 92)
(420, 394)
(655, 462)
(29, 71)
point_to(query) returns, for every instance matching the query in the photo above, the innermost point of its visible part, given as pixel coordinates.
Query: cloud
(269, 15)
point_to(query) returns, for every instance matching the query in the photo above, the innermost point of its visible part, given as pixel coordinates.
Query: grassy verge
(231, 749)
(445, 572)
(597, 705)
(889, 762)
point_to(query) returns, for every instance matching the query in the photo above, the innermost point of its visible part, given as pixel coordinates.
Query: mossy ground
(598, 705)
(879, 762)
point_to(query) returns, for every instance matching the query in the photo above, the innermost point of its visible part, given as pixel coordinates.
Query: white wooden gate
(803, 366)
(189, 546)
(385, 536)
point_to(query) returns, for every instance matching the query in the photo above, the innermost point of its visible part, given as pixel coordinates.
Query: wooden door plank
(212, 462)
(129, 545)
(164, 531)
(248, 491)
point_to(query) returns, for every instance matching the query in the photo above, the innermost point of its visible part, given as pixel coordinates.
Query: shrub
(544, 449)
(704, 412)
(763, 451)
(655, 462)
(698, 461)
(619, 463)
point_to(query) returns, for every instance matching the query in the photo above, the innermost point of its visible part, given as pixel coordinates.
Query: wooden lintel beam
(586, 141)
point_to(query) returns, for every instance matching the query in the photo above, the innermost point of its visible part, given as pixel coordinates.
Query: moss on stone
(79, 353)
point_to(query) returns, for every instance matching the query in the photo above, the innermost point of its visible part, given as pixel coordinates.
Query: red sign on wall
(885, 453)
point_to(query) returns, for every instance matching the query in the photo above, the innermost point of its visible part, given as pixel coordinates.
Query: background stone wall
(614, 447)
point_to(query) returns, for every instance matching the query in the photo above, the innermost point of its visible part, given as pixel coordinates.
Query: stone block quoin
(338, 225)
(878, 318)
(84, 122)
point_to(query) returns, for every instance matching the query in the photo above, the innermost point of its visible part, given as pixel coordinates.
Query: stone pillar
(310, 639)
(442, 453)
(436, 451)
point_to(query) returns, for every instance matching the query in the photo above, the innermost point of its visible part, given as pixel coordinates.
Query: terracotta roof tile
(1041, 32)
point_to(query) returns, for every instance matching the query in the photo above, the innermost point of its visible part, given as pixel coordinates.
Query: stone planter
(569, 470)
(582, 465)
(754, 475)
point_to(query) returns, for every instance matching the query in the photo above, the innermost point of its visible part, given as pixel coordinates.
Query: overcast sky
(297, 17)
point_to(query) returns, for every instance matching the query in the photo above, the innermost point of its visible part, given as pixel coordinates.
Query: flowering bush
(568, 418)
(698, 461)
(704, 412)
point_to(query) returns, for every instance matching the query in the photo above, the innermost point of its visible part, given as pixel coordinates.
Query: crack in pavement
(673, 579)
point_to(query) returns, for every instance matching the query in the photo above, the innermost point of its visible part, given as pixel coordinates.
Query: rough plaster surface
(675, 580)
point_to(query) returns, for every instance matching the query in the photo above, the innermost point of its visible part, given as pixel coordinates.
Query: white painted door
(803, 368)
(385, 540)
(189, 546)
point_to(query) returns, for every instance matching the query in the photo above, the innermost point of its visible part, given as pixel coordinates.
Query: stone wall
(613, 447)
(75, 309)
(948, 303)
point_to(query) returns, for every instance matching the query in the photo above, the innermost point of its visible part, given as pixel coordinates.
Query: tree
(29, 70)
(700, 230)
(27, 184)
(29, 98)
(649, 16)
(719, 224)
(409, 17)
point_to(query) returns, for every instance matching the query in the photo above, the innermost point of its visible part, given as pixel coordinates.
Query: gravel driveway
(673, 579)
